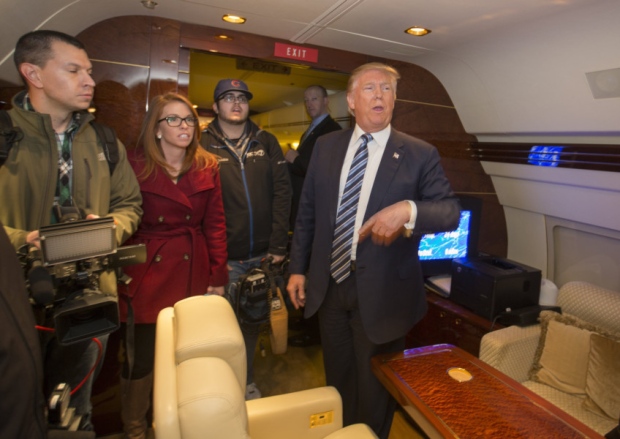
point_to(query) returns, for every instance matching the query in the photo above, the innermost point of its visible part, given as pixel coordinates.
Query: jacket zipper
(89, 176)
(51, 167)
(247, 193)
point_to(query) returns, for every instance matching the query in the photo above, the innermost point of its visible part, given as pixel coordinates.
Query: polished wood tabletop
(450, 393)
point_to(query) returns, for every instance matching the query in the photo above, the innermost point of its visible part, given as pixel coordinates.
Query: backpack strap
(107, 136)
(9, 135)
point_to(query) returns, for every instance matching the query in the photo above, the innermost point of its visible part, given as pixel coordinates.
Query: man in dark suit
(367, 307)
(317, 102)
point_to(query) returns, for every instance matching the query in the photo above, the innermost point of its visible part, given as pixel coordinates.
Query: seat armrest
(355, 431)
(289, 416)
(511, 350)
(165, 410)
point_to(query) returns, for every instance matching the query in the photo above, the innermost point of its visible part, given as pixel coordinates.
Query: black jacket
(256, 190)
(300, 165)
(21, 366)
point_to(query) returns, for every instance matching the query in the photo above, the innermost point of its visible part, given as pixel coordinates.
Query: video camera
(63, 276)
(254, 291)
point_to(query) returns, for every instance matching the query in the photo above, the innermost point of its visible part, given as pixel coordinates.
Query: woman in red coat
(184, 230)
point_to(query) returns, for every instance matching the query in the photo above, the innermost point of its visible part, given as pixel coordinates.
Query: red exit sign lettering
(296, 52)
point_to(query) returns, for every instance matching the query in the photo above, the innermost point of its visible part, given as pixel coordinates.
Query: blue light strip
(545, 155)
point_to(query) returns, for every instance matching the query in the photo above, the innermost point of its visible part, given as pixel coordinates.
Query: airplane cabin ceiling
(364, 26)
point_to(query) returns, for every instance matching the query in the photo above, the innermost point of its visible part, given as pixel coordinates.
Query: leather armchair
(199, 384)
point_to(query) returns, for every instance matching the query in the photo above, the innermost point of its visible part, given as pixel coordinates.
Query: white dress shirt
(376, 148)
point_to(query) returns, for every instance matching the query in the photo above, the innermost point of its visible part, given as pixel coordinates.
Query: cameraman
(60, 162)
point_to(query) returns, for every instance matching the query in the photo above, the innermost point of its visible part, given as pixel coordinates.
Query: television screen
(437, 250)
(447, 245)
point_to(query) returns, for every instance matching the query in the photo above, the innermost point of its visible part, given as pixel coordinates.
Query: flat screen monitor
(437, 250)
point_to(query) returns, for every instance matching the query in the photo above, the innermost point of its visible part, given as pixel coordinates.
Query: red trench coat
(184, 230)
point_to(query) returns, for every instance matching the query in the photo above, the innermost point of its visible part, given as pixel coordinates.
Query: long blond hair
(151, 146)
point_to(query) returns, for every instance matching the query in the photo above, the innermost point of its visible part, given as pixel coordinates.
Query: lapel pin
(395, 155)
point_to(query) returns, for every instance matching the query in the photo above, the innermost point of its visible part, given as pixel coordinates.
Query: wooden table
(489, 405)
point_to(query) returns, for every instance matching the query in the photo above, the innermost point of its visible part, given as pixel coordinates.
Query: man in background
(370, 193)
(61, 163)
(256, 191)
(317, 107)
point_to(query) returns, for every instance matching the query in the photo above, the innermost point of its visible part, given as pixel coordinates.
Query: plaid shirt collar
(75, 120)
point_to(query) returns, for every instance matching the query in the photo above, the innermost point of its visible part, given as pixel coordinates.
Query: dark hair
(318, 87)
(36, 47)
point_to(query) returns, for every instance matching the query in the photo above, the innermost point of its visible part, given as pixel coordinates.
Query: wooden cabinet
(447, 322)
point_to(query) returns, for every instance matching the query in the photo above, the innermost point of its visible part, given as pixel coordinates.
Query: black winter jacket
(21, 366)
(256, 190)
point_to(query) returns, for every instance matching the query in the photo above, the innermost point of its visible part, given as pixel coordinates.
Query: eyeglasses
(230, 98)
(176, 121)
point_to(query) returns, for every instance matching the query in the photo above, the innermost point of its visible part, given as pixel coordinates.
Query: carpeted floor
(297, 369)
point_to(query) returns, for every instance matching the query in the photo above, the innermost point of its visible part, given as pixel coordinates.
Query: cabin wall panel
(120, 97)
(124, 40)
(6, 95)
(164, 57)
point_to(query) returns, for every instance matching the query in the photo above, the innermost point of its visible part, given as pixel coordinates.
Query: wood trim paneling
(558, 155)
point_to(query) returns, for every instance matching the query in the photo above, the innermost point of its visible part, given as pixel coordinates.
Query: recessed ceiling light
(417, 31)
(235, 19)
(149, 4)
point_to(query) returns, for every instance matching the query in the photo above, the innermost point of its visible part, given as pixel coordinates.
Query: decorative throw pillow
(561, 360)
(603, 377)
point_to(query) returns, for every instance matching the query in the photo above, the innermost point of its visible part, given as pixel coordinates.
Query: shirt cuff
(414, 215)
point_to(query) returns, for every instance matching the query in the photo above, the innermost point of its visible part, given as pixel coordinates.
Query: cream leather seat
(199, 384)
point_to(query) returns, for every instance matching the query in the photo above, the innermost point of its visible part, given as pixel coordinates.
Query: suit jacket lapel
(391, 160)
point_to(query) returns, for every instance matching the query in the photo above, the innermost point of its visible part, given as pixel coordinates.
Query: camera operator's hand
(216, 290)
(32, 238)
(92, 216)
(275, 259)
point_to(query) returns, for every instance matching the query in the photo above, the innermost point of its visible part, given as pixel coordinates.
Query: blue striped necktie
(345, 220)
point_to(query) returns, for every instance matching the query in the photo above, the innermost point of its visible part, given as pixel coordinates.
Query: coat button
(188, 217)
(160, 219)
(186, 257)
(158, 258)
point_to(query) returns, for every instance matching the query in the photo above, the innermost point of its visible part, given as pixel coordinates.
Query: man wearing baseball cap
(256, 191)
(228, 86)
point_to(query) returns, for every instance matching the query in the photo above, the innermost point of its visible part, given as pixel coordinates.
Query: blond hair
(359, 71)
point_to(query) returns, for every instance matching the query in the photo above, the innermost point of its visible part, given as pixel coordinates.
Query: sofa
(572, 358)
(200, 377)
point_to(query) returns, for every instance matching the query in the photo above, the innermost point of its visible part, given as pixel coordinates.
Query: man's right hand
(291, 155)
(296, 291)
(32, 238)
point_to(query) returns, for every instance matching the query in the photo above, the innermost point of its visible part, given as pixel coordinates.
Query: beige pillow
(603, 377)
(561, 360)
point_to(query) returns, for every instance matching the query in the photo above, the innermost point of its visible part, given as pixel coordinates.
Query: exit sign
(296, 52)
